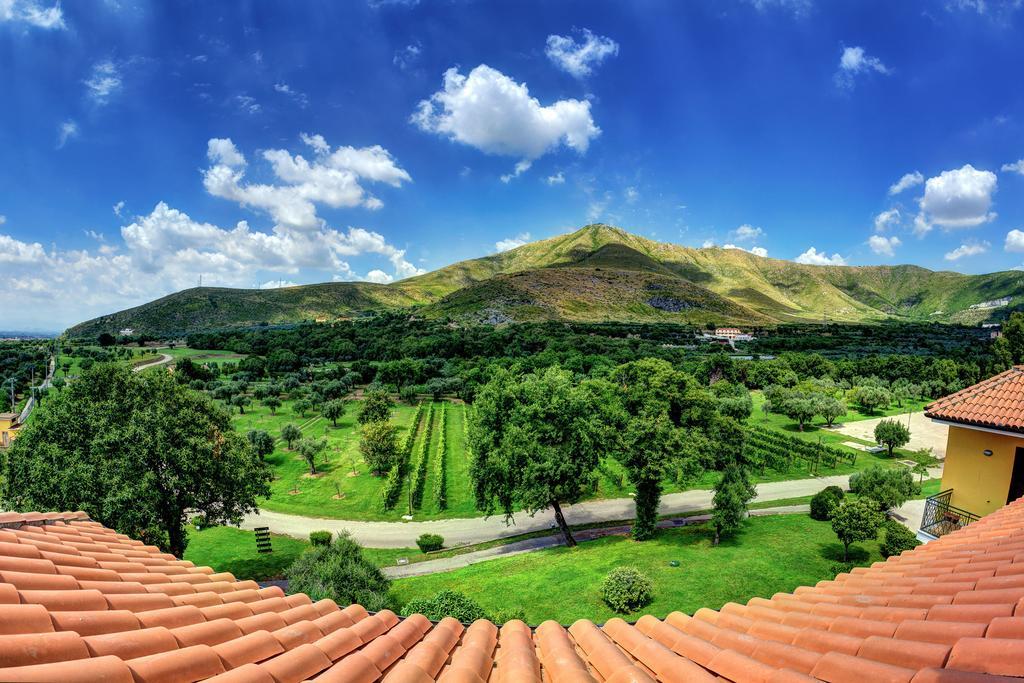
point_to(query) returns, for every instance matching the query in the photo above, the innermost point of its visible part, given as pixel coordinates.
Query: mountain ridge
(596, 273)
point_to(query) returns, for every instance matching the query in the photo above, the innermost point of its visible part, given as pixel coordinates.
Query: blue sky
(146, 144)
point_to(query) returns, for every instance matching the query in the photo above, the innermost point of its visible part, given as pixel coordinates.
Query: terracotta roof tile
(81, 603)
(997, 403)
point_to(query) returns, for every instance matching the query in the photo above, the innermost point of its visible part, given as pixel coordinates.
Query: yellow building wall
(980, 483)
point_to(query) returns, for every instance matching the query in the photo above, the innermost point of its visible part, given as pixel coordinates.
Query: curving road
(480, 529)
(164, 359)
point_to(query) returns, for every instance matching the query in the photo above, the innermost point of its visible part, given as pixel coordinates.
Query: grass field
(227, 549)
(203, 356)
(770, 554)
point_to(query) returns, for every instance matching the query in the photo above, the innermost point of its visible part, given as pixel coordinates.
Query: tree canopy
(137, 452)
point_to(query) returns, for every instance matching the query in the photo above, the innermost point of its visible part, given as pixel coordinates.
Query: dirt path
(923, 432)
(480, 529)
(164, 359)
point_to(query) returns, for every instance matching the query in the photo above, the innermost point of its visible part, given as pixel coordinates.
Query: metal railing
(941, 517)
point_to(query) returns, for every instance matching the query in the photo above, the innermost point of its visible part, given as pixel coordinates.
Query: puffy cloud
(66, 131)
(813, 257)
(521, 167)
(580, 58)
(32, 13)
(887, 219)
(103, 82)
(756, 251)
(1015, 167)
(491, 112)
(333, 178)
(278, 284)
(747, 233)
(884, 246)
(908, 181)
(971, 249)
(556, 179)
(378, 276)
(1014, 241)
(15, 251)
(853, 62)
(960, 198)
(512, 242)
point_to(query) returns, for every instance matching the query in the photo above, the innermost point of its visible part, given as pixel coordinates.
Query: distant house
(984, 467)
(127, 332)
(732, 334)
(8, 428)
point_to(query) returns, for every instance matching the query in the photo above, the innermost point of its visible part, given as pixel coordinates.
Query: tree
(800, 408)
(535, 442)
(302, 406)
(240, 402)
(309, 449)
(1002, 355)
(333, 410)
(831, 409)
(106, 339)
(1013, 333)
(339, 572)
(262, 443)
(272, 402)
(376, 407)
(891, 487)
(856, 519)
(137, 452)
(661, 423)
(378, 442)
(892, 434)
(871, 398)
(290, 433)
(732, 493)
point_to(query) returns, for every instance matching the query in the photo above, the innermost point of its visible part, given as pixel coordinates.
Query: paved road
(479, 529)
(164, 359)
(447, 564)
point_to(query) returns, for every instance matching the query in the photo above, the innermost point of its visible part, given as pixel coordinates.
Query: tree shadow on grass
(834, 552)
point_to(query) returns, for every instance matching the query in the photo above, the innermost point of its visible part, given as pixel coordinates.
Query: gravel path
(468, 531)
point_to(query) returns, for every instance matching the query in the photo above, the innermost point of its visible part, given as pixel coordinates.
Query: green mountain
(598, 273)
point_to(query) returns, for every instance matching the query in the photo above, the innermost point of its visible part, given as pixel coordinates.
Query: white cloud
(959, 198)
(408, 56)
(512, 242)
(887, 219)
(906, 182)
(333, 178)
(278, 284)
(747, 233)
(556, 179)
(1015, 167)
(299, 98)
(1014, 241)
(248, 104)
(580, 58)
(796, 7)
(104, 81)
(117, 208)
(972, 249)
(378, 276)
(756, 251)
(66, 131)
(813, 257)
(853, 62)
(489, 111)
(32, 13)
(521, 167)
(632, 194)
(884, 246)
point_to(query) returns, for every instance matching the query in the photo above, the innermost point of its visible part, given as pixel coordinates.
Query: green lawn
(770, 554)
(203, 356)
(232, 550)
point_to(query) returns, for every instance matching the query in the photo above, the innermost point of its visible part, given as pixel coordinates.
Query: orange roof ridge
(996, 402)
(80, 602)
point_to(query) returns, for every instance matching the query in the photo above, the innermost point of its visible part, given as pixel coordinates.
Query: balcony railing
(941, 517)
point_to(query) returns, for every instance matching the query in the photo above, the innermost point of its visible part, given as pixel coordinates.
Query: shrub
(824, 501)
(430, 542)
(408, 394)
(320, 537)
(856, 519)
(447, 603)
(626, 589)
(897, 539)
(890, 486)
(340, 572)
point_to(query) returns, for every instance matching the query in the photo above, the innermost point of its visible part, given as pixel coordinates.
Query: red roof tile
(996, 403)
(948, 612)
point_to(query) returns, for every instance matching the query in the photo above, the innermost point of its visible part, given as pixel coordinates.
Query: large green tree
(378, 442)
(376, 407)
(733, 492)
(664, 421)
(892, 434)
(535, 442)
(856, 519)
(137, 452)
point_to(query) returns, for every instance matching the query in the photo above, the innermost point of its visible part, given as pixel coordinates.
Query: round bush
(320, 537)
(897, 539)
(447, 603)
(626, 589)
(340, 572)
(824, 501)
(430, 542)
